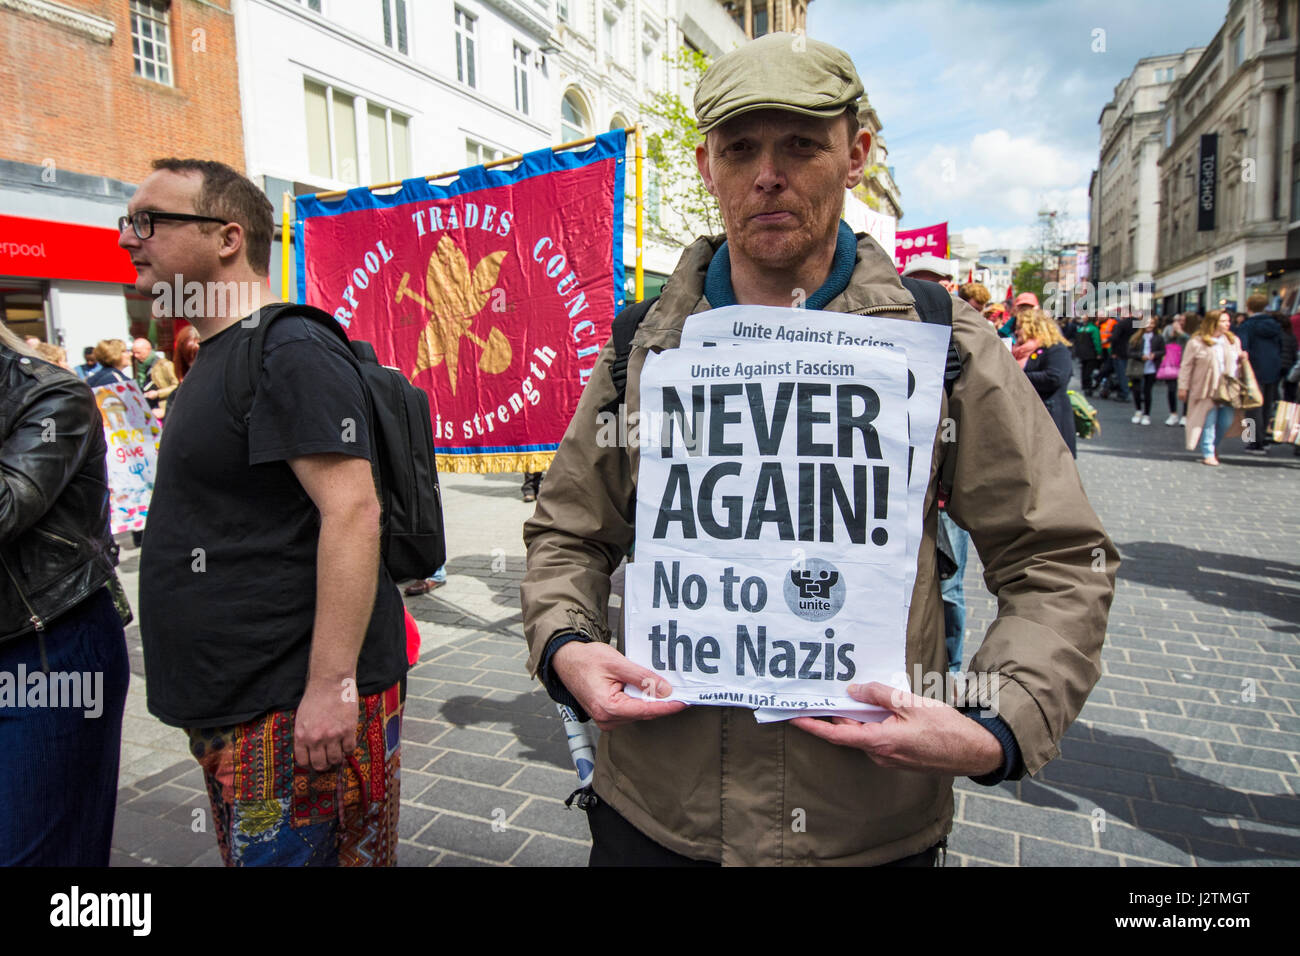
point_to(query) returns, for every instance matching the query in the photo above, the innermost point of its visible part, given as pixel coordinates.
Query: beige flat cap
(779, 71)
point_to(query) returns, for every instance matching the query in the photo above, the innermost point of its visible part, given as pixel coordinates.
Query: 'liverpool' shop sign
(1207, 182)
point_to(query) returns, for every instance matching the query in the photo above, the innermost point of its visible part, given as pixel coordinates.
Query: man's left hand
(919, 734)
(325, 726)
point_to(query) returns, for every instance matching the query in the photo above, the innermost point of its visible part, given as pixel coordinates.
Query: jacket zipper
(875, 309)
(59, 538)
(35, 618)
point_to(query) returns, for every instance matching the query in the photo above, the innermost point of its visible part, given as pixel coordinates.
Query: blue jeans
(59, 785)
(954, 595)
(1217, 421)
(1118, 368)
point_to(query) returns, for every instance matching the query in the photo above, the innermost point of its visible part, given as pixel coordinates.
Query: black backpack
(413, 544)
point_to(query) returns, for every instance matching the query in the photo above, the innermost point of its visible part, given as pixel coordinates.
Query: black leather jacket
(54, 538)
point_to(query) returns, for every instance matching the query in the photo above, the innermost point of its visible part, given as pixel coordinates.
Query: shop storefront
(64, 283)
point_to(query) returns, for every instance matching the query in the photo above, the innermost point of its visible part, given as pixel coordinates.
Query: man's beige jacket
(713, 784)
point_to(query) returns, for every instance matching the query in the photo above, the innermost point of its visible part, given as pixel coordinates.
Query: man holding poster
(698, 784)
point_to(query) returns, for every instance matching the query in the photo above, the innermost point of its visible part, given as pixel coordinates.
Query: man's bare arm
(347, 568)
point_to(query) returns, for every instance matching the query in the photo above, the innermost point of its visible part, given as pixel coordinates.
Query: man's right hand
(595, 674)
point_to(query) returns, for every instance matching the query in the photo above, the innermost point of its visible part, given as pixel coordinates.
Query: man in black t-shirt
(272, 632)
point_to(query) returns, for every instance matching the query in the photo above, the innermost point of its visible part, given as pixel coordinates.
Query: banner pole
(640, 211)
(286, 256)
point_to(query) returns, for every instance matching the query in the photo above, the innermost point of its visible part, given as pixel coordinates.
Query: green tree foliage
(1028, 277)
(684, 208)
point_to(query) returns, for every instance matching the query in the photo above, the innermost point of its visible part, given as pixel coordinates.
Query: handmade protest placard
(131, 433)
(925, 347)
(771, 524)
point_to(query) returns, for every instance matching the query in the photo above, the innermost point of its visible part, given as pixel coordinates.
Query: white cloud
(1012, 177)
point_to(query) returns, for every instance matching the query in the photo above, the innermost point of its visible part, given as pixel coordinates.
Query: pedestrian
(1288, 350)
(1175, 337)
(1212, 352)
(143, 359)
(154, 374)
(54, 354)
(113, 359)
(162, 384)
(1120, 334)
(996, 313)
(88, 363)
(272, 631)
(186, 350)
(953, 540)
(1087, 349)
(532, 485)
(58, 618)
(1261, 339)
(1047, 365)
(974, 294)
(431, 583)
(678, 785)
(1146, 350)
(1024, 302)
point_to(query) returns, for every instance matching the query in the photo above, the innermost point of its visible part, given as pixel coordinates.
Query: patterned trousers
(268, 811)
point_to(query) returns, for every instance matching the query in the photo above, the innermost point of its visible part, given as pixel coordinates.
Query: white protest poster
(132, 434)
(924, 345)
(771, 524)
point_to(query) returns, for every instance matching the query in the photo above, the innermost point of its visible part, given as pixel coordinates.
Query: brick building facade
(93, 91)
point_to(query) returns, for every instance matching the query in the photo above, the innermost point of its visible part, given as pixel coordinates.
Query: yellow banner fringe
(495, 464)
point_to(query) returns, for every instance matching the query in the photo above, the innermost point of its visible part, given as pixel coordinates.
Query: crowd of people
(279, 647)
(1127, 357)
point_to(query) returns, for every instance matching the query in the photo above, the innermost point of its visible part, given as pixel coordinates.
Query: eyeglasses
(142, 222)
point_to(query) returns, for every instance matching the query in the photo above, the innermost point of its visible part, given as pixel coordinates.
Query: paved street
(1186, 754)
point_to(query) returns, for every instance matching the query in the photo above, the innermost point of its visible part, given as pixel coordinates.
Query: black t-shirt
(227, 630)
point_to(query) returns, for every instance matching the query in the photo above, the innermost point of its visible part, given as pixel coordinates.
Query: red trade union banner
(494, 293)
(929, 240)
(62, 250)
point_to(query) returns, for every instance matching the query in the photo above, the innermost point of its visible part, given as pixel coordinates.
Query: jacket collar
(874, 284)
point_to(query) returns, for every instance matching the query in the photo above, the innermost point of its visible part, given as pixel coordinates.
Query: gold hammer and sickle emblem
(453, 296)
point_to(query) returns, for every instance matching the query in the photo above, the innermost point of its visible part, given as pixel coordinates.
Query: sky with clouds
(989, 107)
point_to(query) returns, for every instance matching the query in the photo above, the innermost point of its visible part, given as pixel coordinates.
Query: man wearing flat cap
(699, 785)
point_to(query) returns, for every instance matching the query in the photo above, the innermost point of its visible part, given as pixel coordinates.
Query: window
(477, 154)
(151, 40)
(394, 15)
(312, 5)
(1169, 131)
(562, 10)
(521, 79)
(465, 48)
(573, 118)
(760, 19)
(649, 61)
(388, 144)
(332, 147)
(1238, 48)
(345, 137)
(1165, 75)
(611, 35)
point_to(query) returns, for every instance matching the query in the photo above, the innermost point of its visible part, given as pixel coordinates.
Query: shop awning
(42, 249)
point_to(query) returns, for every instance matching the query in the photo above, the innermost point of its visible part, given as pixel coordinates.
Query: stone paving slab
(1187, 754)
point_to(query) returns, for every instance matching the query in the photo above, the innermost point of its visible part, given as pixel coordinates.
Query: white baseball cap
(929, 263)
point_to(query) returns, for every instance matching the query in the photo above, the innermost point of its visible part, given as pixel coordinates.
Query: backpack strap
(246, 363)
(621, 333)
(934, 305)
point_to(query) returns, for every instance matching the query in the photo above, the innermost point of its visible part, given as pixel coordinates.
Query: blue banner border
(541, 162)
